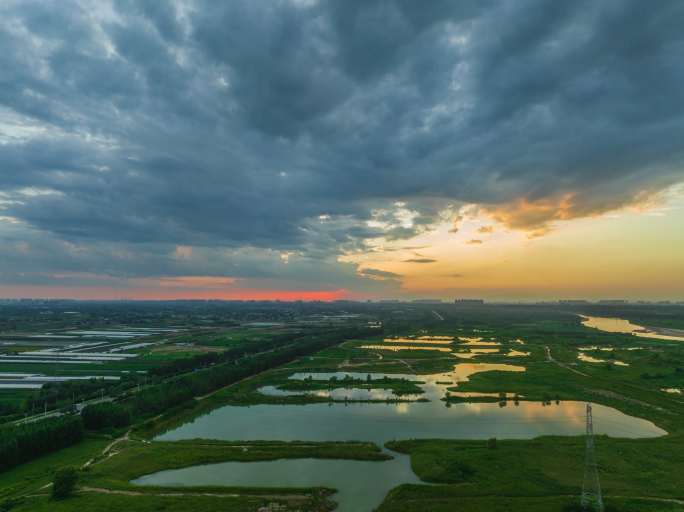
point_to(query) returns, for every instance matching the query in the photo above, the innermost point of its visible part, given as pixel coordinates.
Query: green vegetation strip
(544, 467)
(105, 481)
(138, 458)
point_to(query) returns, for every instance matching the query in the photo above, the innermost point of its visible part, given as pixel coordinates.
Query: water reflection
(478, 342)
(362, 485)
(404, 347)
(476, 394)
(590, 359)
(434, 385)
(354, 393)
(625, 326)
(517, 353)
(473, 352)
(430, 340)
(381, 422)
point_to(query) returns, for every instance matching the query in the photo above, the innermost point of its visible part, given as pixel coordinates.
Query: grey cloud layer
(237, 124)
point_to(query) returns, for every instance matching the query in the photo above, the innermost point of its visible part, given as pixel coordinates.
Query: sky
(341, 149)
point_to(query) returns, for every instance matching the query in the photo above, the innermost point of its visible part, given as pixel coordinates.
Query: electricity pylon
(591, 488)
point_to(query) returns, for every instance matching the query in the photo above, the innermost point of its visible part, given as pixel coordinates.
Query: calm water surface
(362, 485)
(385, 422)
(625, 326)
(341, 393)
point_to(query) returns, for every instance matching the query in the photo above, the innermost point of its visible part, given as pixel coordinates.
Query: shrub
(64, 483)
(460, 472)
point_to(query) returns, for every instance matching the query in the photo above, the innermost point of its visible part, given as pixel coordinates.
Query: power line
(591, 488)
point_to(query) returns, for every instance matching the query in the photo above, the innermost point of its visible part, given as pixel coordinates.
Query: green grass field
(30, 477)
(538, 475)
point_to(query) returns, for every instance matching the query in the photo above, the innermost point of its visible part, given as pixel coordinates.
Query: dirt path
(408, 366)
(108, 448)
(111, 445)
(282, 497)
(437, 315)
(603, 392)
(224, 387)
(617, 396)
(649, 498)
(550, 358)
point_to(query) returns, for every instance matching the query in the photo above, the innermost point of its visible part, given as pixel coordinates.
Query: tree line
(183, 388)
(231, 354)
(208, 373)
(21, 443)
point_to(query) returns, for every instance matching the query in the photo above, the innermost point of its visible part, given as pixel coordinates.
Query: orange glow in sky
(109, 293)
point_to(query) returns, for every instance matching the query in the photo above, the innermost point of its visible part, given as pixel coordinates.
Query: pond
(362, 485)
(353, 393)
(591, 359)
(382, 422)
(397, 348)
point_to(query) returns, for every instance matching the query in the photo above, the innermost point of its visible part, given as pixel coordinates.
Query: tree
(21, 443)
(64, 483)
(104, 415)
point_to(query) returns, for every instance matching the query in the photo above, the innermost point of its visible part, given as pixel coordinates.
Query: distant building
(469, 301)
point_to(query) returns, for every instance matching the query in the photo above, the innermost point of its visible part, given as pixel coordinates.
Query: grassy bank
(403, 499)
(137, 458)
(104, 484)
(32, 476)
(141, 503)
(533, 471)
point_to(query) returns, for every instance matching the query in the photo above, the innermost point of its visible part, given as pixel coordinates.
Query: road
(55, 414)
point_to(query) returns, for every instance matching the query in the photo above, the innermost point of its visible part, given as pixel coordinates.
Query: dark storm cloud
(37, 258)
(284, 125)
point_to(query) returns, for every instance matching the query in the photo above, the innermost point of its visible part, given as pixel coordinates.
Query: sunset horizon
(292, 150)
(341, 255)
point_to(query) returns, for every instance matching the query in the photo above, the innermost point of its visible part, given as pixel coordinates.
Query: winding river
(621, 325)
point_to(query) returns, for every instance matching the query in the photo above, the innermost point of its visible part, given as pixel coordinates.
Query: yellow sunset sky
(635, 252)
